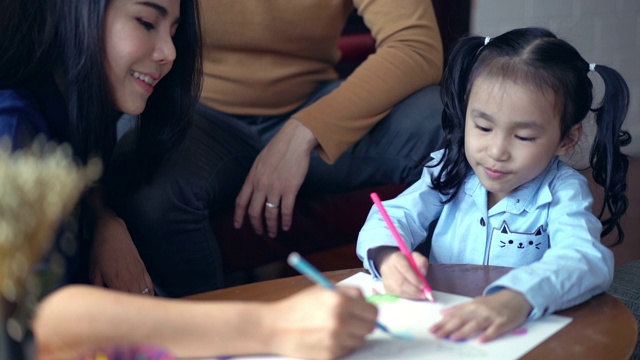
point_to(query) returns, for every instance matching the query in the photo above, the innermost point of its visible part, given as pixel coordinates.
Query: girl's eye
(524, 138)
(147, 25)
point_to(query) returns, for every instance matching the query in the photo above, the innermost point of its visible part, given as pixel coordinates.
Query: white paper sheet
(416, 317)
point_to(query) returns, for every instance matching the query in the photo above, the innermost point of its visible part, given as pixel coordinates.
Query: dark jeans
(169, 218)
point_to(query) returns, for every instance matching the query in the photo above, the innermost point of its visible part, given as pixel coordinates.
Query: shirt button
(482, 221)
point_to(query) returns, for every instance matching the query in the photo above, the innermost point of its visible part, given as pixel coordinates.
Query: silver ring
(269, 205)
(144, 291)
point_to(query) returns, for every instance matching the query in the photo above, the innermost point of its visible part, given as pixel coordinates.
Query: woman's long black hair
(163, 124)
(27, 33)
(537, 57)
(65, 38)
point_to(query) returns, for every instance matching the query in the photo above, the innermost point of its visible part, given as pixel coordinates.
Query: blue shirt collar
(527, 197)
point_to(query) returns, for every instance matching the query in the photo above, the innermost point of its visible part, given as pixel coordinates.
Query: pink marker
(402, 245)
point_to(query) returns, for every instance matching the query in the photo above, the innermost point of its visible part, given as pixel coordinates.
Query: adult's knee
(413, 126)
(152, 210)
(420, 111)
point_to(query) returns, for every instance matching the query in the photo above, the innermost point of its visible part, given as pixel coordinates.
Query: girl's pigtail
(609, 165)
(455, 79)
(454, 88)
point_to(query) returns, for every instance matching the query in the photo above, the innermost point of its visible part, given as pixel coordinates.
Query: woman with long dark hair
(72, 68)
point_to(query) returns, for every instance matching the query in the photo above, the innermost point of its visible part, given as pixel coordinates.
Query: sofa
(626, 278)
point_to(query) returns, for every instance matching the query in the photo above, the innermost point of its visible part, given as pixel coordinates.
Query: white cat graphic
(513, 248)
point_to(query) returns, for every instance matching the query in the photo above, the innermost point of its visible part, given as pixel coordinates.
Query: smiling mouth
(146, 78)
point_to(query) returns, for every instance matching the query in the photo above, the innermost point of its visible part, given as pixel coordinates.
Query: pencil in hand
(426, 290)
(305, 268)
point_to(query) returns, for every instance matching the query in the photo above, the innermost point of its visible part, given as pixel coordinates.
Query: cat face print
(517, 248)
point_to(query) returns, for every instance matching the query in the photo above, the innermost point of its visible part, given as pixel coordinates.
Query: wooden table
(602, 328)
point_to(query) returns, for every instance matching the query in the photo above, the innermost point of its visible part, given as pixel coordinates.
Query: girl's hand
(486, 317)
(399, 278)
(318, 323)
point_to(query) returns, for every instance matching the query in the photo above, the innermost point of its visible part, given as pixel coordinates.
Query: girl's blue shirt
(545, 230)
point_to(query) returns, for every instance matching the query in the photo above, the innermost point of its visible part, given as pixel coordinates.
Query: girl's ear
(570, 140)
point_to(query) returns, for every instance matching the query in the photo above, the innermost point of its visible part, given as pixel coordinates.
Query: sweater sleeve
(408, 57)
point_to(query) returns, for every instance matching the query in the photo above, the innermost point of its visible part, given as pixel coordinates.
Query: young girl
(70, 70)
(513, 105)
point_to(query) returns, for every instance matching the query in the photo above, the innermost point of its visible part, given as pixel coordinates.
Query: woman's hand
(398, 276)
(275, 178)
(318, 323)
(486, 317)
(115, 262)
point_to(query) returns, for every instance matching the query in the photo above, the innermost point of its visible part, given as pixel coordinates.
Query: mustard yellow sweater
(264, 57)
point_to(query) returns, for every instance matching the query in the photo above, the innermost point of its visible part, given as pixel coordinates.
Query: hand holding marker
(401, 244)
(308, 270)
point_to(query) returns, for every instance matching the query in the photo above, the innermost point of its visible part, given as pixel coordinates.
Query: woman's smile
(146, 82)
(139, 46)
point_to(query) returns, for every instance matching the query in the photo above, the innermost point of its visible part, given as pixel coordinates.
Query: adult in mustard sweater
(274, 119)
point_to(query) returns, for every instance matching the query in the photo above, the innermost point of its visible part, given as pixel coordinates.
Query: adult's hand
(115, 262)
(318, 323)
(275, 178)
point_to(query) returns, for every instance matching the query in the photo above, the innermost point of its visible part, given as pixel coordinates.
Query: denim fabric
(40, 110)
(29, 111)
(169, 218)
